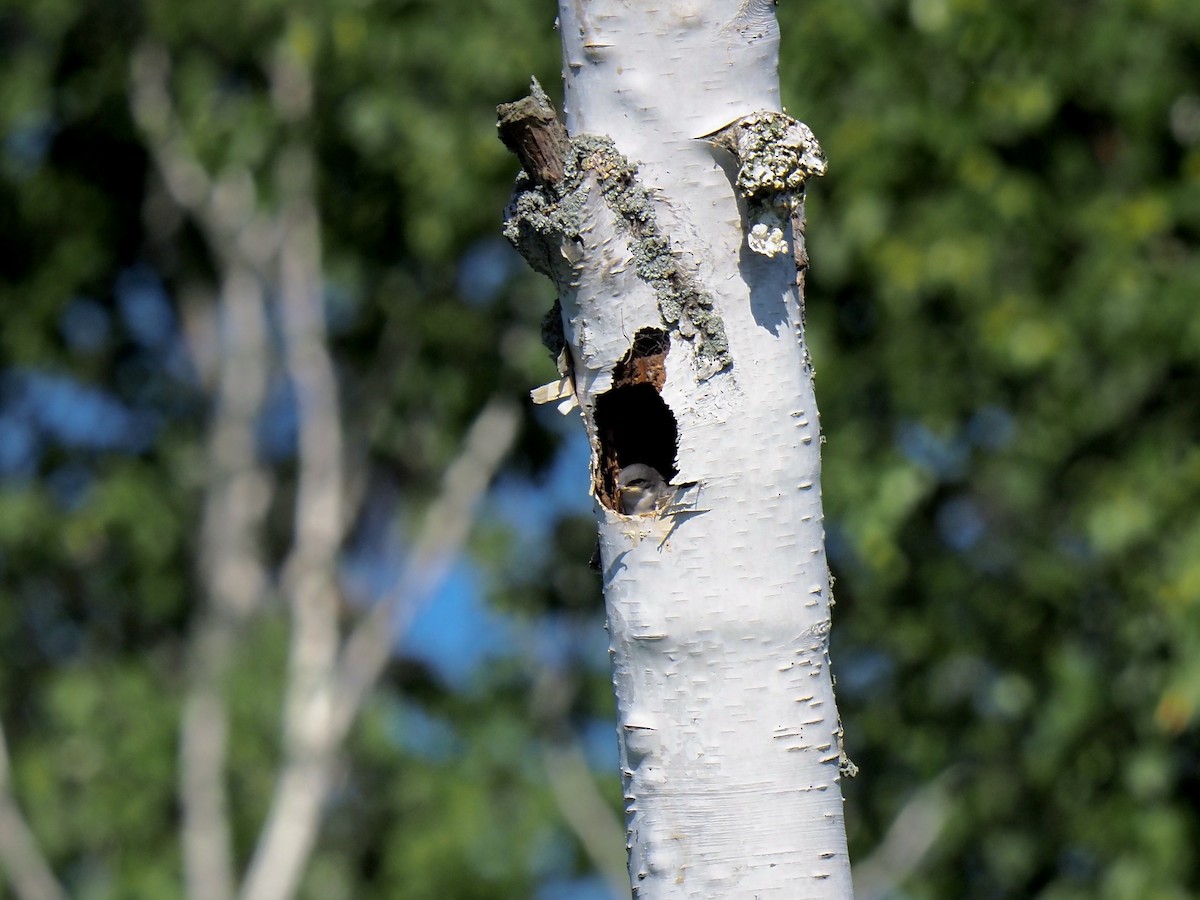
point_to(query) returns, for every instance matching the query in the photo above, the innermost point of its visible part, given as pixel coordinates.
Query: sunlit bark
(673, 228)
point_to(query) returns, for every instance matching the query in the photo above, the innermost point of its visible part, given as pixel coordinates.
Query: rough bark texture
(681, 315)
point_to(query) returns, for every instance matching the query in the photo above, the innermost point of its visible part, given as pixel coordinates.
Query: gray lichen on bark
(776, 155)
(544, 222)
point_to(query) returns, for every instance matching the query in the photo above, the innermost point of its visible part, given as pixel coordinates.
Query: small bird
(640, 489)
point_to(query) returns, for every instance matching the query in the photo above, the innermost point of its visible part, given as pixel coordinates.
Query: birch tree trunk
(669, 213)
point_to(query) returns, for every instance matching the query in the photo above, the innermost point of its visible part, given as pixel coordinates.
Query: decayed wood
(530, 128)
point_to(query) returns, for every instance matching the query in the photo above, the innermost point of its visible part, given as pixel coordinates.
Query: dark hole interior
(635, 426)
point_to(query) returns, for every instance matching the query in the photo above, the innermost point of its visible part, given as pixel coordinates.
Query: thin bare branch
(154, 113)
(583, 808)
(287, 838)
(908, 839)
(222, 204)
(291, 828)
(203, 741)
(445, 529)
(238, 490)
(29, 872)
(310, 569)
(235, 581)
(309, 572)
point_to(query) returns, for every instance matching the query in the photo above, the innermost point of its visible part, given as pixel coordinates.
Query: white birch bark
(718, 597)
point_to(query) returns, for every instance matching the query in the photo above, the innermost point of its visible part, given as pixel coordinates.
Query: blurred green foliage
(1003, 308)
(1003, 304)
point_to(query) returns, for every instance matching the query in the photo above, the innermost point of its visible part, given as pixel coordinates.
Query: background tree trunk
(683, 326)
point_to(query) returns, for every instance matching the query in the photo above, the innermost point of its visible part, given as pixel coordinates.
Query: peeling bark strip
(679, 332)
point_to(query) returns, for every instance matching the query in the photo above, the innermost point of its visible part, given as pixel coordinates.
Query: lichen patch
(776, 156)
(543, 218)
